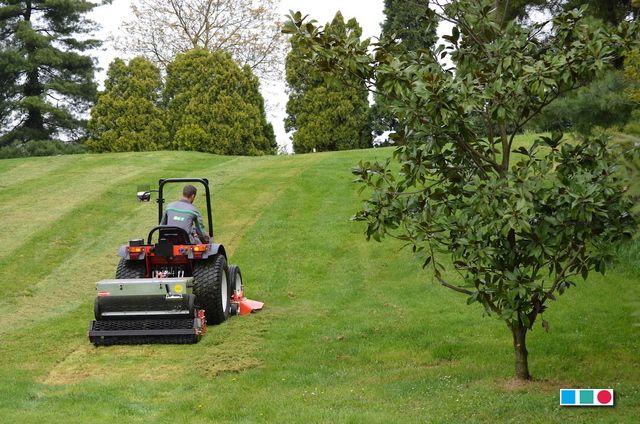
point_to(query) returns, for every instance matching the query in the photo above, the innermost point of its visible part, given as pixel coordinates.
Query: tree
(46, 77)
(410, 23)
(215, 106)
(603, 103)
(248, 29)
(509, 10)
(520, 223)
(632, 75)
(414, 27)
(612, 12)
(326, 114)
(128, 114)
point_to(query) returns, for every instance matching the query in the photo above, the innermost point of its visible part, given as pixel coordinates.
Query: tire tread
(207, 288)
(130, 269)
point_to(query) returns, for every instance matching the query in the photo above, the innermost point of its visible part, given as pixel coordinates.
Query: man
(184, 215)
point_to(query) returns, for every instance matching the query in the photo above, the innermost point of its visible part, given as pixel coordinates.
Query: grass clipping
(231, 347)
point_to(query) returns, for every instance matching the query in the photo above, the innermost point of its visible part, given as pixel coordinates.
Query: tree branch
(452, 287)
(560, 278)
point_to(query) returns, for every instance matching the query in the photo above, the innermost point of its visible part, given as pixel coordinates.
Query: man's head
(189, 193)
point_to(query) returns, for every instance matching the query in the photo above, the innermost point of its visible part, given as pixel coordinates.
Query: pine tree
(324, 113)
(412, 23)
(215, 106)
(611, 11)
(127, 116)
(47, 78)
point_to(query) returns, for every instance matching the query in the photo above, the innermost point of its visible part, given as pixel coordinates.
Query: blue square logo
(567, 397)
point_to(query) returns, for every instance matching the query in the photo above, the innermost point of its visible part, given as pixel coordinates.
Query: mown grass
(352, 331)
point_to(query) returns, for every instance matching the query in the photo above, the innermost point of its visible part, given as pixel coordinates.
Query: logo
(586, 397)
(177, 288)
(178, 218)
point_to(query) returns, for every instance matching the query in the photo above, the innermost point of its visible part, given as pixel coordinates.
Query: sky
(368, 13)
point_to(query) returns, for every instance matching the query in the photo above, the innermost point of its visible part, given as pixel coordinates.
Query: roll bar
(203, 181)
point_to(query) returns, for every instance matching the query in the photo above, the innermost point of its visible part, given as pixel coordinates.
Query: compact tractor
(168, 288)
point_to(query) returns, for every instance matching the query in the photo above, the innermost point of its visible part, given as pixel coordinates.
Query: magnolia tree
(520, 223)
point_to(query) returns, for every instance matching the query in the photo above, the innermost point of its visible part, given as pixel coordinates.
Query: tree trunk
(27, 11)
(520, 350)
(34, 124)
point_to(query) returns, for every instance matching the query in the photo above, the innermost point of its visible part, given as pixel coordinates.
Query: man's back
(186, 216)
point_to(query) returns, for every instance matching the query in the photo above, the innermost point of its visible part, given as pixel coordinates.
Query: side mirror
(144, 196)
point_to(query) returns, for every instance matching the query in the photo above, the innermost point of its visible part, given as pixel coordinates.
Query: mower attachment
(244, 306)
(146, 310)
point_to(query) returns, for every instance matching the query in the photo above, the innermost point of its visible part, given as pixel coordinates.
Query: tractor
(167, 288)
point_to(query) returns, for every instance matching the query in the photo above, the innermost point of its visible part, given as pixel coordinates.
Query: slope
(352, 331)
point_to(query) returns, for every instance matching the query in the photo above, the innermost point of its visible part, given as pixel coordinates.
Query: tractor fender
(213, 250)
(123, 252)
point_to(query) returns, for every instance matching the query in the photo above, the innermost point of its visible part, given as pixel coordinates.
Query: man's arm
(199, 226)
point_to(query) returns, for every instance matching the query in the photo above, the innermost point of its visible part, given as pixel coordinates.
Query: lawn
(352, 331)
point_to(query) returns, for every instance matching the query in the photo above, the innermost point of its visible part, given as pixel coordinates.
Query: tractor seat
(170, 234)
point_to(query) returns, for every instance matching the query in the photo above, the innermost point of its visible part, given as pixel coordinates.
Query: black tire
(211, 287)
(97, 313)
(235, 279)
(130, 269)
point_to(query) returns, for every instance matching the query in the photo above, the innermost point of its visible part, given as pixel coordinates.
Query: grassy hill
(351, 332)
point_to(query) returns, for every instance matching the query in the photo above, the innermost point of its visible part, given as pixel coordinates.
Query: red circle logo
(604, 396)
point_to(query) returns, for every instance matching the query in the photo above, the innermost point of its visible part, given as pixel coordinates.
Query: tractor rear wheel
(211, 287)
(130, 269)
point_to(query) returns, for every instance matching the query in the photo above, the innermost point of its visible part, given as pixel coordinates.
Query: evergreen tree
(215, 106)
(324, 113)
(632, 75)
(509, 10)
(127, 116)
(610, 11)
(410, 22)
(603, 103)
(47, 79)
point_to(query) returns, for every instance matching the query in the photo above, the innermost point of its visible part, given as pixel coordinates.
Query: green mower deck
(146, 310)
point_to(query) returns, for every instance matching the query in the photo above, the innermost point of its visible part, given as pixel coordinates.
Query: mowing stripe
(34, 206)
(352, 332)
(249, 205)
(76, 256)
(20, 171)
(244, 200)
(38, 204)
(72, 232)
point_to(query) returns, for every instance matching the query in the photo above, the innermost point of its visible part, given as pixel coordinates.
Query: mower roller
(167, 291)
